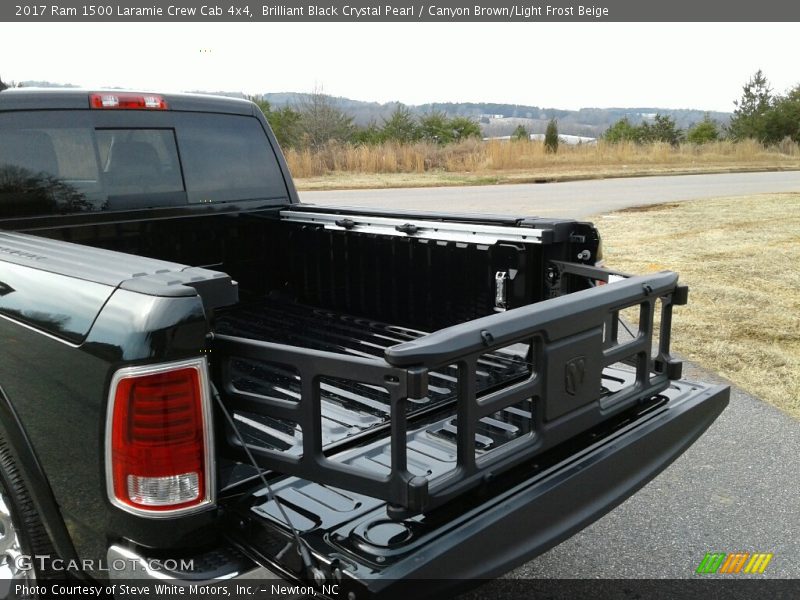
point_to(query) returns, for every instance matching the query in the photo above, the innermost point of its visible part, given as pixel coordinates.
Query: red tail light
(159, 439)
(127, 101)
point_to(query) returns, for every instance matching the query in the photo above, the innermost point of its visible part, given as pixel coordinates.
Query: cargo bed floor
(348, 407)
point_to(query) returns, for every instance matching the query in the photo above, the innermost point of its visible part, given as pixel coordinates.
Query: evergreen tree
(401, 126)
(369, 135)
(285, 123)
(703, 132)
(663, 129)
(783, 119)
(551, 137)
(464, 128)
(748, 118)
(621, 131)
(434, 127)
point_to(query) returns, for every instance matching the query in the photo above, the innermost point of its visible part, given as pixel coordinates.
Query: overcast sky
(563, 65)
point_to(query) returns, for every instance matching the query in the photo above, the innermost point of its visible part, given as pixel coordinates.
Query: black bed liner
(349, 407)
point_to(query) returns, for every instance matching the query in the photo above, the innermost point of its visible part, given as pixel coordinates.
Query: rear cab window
(72, 161)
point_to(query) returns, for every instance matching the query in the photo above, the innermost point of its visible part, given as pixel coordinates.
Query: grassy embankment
(480, 163)
(740, 258)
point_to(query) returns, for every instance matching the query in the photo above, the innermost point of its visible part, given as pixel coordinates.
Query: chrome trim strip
(433, 230)
(39, 331)
(201, 366)
(137, 567)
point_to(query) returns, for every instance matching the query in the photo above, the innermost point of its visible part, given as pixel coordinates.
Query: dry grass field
(473, 162)
(741, 260)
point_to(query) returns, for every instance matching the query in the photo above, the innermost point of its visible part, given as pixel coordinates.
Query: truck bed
(349, 407)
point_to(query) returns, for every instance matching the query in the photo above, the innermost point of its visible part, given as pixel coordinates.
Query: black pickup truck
(202, 378)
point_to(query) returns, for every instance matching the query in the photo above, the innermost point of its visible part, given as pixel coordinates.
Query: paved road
(736, 489)
(573, 199)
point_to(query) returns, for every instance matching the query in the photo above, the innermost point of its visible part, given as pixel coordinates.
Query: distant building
(569, 140)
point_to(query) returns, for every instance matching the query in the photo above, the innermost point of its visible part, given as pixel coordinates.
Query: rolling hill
(496, 119)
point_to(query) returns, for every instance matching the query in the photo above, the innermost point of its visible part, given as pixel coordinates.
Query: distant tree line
(10, 84)
(760, 115)
(662, 129)
(317, 120)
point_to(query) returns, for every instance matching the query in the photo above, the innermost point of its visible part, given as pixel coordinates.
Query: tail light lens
(159, 439)
(127, 101)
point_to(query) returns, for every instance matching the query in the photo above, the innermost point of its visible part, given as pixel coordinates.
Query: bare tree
(322, 120)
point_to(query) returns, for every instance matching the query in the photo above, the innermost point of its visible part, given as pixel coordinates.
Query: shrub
(520, 133)
(703, 132)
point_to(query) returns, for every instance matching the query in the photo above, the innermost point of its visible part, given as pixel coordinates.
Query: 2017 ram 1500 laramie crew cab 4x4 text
(201, 373)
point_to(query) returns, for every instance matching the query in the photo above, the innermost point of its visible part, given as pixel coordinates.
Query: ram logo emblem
(575, 374)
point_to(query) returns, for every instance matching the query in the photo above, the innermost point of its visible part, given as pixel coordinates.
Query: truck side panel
(59, 393)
